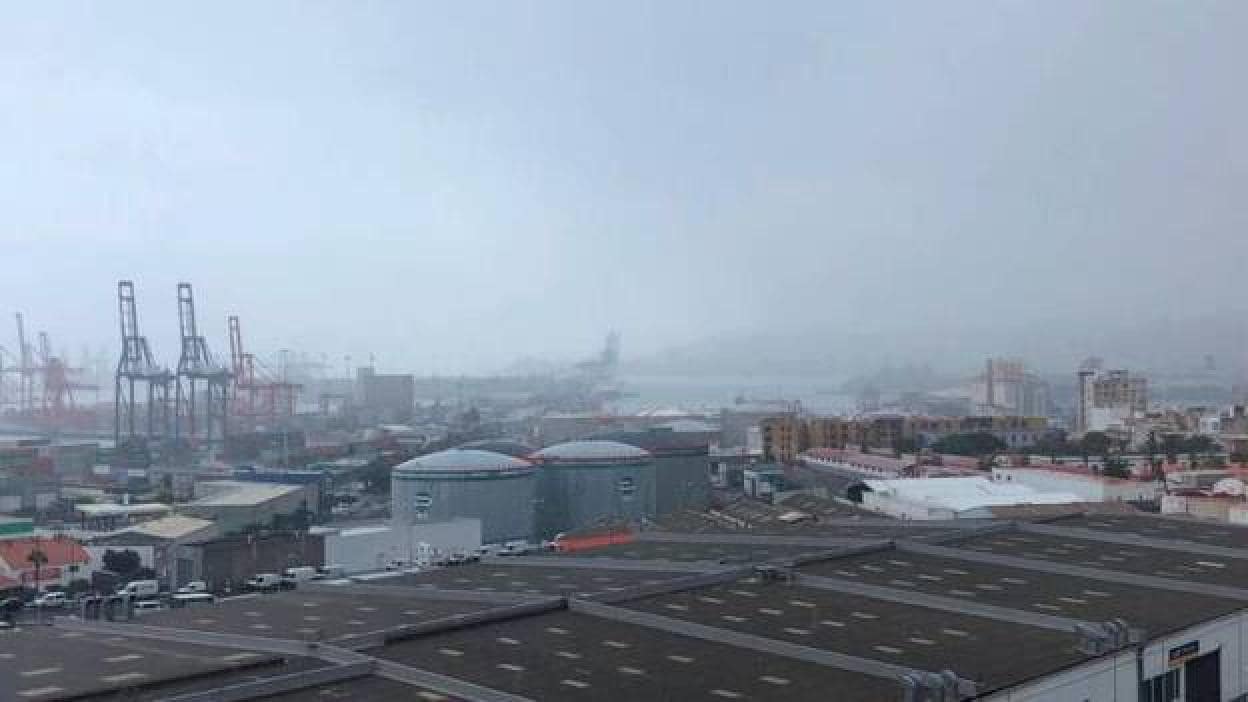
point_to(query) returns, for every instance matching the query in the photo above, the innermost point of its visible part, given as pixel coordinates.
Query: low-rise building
(236, 505)
(165, 536)
(1082, 481)
(225, 563)
(39, 562)
(952, 497)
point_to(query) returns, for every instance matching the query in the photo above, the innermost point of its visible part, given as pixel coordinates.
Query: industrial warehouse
(1079, 607)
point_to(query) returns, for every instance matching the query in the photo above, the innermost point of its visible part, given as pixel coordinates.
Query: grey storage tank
(680, 451)
(495, 488)
(589, 483)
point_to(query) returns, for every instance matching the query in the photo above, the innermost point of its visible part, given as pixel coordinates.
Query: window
(1162, 688)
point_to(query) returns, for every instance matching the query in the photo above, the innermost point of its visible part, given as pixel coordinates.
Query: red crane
(259, 393)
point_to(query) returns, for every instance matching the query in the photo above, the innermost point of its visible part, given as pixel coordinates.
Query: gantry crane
(137, 372)
(201, 385)
(259, 393)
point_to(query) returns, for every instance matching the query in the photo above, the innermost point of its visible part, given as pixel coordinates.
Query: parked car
(193, 587)
(514, 548)
(145, 606)
(140, 589)
(191, 599)
(329, 571)
(291, 577)
(264, 582)
(50, 600)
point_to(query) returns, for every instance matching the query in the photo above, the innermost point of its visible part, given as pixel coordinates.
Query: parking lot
(41, 662)
(319, 615)
(500, 576)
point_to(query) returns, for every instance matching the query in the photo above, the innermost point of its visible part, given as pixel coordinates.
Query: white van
(265, 581)
(52, 599)
(326, 572)
(291, 577)
(191, 599)
(139, 589)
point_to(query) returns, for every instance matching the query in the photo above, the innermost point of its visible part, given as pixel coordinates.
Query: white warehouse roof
(240, 493)
(965, 493)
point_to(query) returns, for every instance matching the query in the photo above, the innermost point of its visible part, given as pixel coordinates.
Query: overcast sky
(449, 186)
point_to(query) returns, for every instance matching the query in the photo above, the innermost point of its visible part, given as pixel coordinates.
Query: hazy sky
(452, 185)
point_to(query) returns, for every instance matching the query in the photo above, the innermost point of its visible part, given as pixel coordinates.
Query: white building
(1084, 484)
(952, 498)
(367, 548)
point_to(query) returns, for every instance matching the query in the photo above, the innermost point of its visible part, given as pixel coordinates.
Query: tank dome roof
(592, 451)
(463, 461)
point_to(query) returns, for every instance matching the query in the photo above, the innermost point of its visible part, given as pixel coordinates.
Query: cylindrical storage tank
(495, 488)
(507, 447)
(589, 483)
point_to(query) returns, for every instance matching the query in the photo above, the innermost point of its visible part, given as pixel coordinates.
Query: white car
(193, 587)
(51, 599)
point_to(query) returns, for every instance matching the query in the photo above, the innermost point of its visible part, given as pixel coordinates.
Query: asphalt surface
(496, 576)
(688, 551)
(1156, 611)
(1161, 528)
(1144, 560)
(43, 663)
(567, 656)
(320, 616)
(991, 652)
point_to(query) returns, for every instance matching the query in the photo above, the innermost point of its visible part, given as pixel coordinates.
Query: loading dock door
(1202, 678)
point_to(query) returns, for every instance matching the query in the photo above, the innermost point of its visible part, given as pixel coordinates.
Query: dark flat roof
(567, 656)
(43, 662)
(529, 580)
(309, 615)
(1145, 560)
(367, 689)
(1213, 534)
(985, 650)
(690, 551)
(1157, 611)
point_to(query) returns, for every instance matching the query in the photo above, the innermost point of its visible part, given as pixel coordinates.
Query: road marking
(40, 671)
(579, 684)
(40, 691)
(123, 658)
(123, 677)
(239, 656)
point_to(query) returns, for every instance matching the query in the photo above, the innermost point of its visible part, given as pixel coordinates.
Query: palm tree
(38, 558)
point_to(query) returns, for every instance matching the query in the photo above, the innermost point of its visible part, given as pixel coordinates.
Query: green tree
(124, 563)
(1116, 467)
(970, 444)
(1095, 443)
(39, 559)
(1172, 446)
